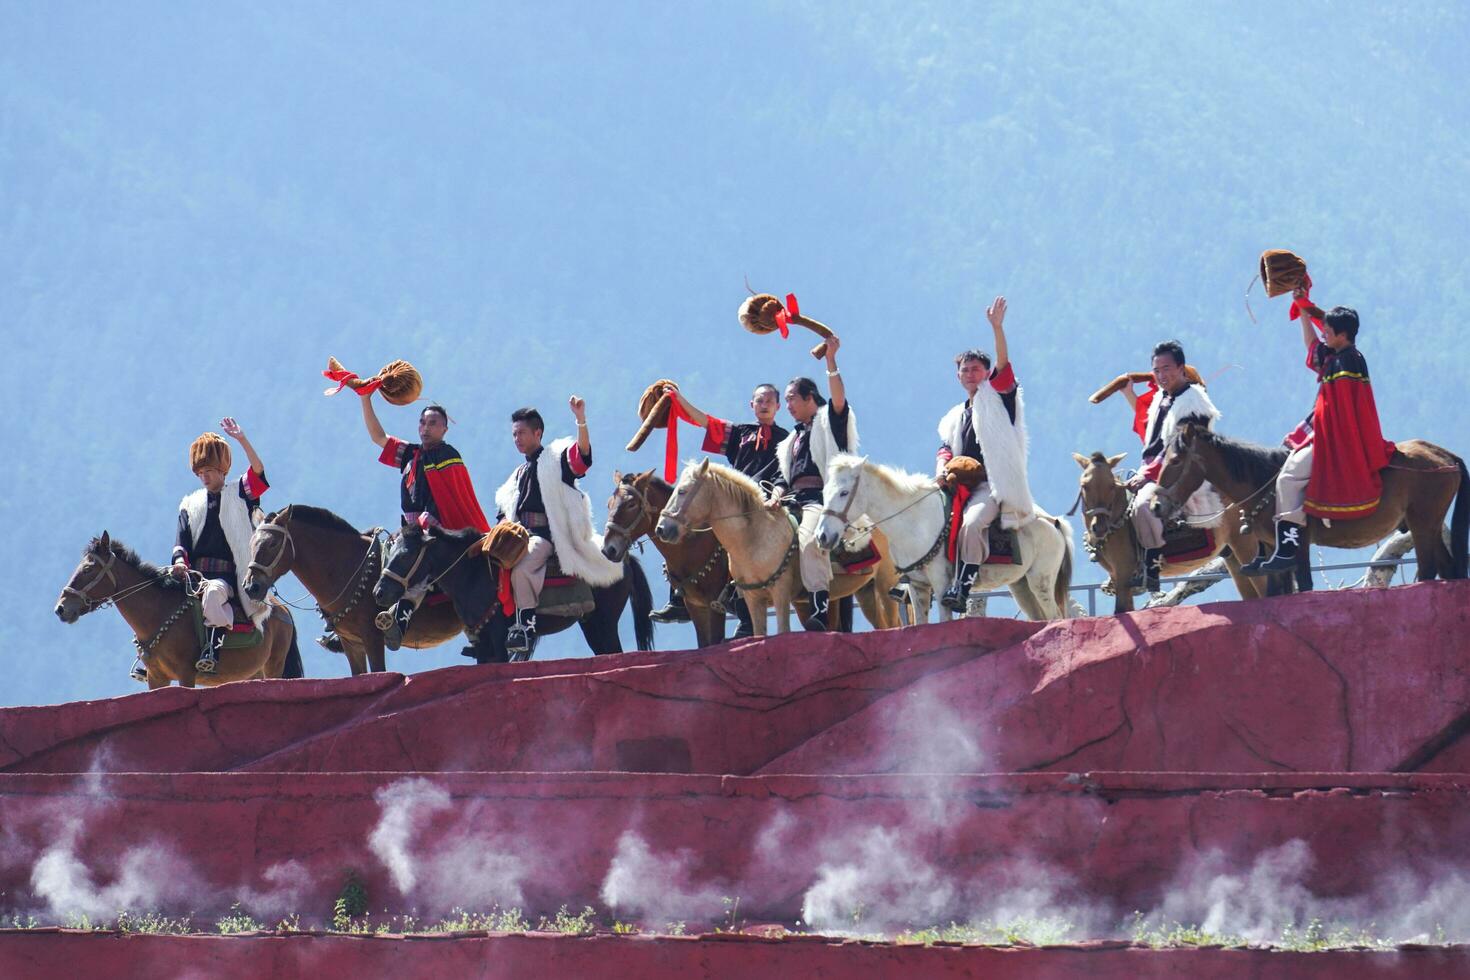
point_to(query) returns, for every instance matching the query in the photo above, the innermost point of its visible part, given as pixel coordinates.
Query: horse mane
(734, 482)
(901, 480)
(320, 517)
(1256, 464)
(655, 481)
(142, 565)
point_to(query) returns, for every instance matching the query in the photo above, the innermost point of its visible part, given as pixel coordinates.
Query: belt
(807, 483)
(213, 566)
(532, 519)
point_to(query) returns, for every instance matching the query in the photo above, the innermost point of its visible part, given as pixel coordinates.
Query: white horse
(914, 514)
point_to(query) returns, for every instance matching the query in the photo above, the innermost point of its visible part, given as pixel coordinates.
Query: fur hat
(1282, 271)
(965, 472)
(653, 409)
(506, 544)
(758, 315)
(209, 449)
(399, 381)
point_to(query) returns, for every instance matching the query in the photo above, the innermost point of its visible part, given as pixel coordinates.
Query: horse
(762, 544)
(697, 565)
(453, 561)
(156, 606)
(1420, 484)
(914, 514)
(337, 564)
(1113, 543)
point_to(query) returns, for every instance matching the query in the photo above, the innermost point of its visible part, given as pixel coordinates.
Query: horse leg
(156, 679)
(356, 654)
(1246, 585)
(759, 604)
(373, 648)
(1429, 549)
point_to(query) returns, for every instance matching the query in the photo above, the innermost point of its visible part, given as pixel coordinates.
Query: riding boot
(1288, 544)
(397, 618)
(520, 639)
(674, 612)
(139, 671)
(728, 602)
(816, 620)
(331, 641)
(1153, 564)
(208, 662)
(959, 590)
(742, 612)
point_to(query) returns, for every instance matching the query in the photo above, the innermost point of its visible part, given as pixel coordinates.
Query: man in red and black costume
(434, 491)
(751, 449)
(1338, 451)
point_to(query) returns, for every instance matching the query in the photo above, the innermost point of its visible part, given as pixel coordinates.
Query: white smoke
(457, 866)
(146, 877)
(936, 738)
(659, 887)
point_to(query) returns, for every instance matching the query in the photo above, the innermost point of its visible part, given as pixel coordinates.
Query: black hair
(437, 408)
(807, 388)
(1173, 348)
(529, 416)
(972, 355)
(766, 384)
(1343, 320)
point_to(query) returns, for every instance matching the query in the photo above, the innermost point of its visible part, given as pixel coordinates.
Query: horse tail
(293, 668)
(1460, 527)
(642, 599)
(1062, 591)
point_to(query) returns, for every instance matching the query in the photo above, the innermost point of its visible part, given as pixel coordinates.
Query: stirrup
(207, 663)
(139, 671)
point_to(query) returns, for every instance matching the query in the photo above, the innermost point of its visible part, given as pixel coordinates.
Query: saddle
(242, 633)
(1004, 547)
(563, 594)
(858, 560)
(1185, 542)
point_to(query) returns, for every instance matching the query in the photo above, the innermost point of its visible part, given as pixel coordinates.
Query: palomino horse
(697, 565)
(338, 564)
(915, 516)
(1113, 543)
(762, 544)
(156, 606)
(1419, 485)
(453, 561)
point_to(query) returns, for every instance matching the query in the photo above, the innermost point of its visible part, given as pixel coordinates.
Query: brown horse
(697, 565)
(763, 549)
(1420, 483)
(1113, 543)
(338, 565)
(156, 606)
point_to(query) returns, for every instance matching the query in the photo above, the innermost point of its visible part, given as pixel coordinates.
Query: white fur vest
(238, 523)
(569, 516)
(1003, 445)
(1204, 507)
(823, 443)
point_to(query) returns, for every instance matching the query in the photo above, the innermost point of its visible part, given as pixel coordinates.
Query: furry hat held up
(209, 449)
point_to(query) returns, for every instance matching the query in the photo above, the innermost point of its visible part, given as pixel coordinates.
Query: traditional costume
(1157, 415)
(990, 428)
(214, 540)
(542, 496)
(1337, 453)
(434, 489)
(802, 459)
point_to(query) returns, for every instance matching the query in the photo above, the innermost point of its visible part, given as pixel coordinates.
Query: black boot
(520, 639)
(1153, 565)
(139, 671)
(816, 620)
(208, 662)
(674, 612)
(959, 590)
(1288, 544)
(394, 622)
(331, 641)
(742, 612)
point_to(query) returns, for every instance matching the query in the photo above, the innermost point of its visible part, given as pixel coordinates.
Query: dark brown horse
(156, 606)
(696, 565)
(1420, 484)
(338, 565)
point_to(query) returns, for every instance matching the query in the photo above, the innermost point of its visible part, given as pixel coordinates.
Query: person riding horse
(434, 490)
(989, 426)
(823, 429)
(1171, 398)
(1345, 482)
(542, 496)
(214, 532)
(751, 449)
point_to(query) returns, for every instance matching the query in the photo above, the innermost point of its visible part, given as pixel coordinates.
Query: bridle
(1166, 494)
(406, 579)
(645, 509)
(847, 508)
(268, 572)
(83, 593)
(677, 518)
(1092, 541)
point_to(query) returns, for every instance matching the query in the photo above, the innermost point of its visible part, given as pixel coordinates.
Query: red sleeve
(715, 431)
(1004, 380)
(1140, 411)
(575, 461)
(255, 483)
(1152, 469)
(944, 455)
(1316, 356)
(389, 455)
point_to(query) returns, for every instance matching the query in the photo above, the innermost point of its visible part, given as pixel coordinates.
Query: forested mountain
(199, 203)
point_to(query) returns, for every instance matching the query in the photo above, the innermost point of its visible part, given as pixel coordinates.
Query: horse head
(1183, 471)
(402, 564)
(629, 514)
(1101, 492)
(91, 583)
(271, 553)
(840, 500)
(680, 511)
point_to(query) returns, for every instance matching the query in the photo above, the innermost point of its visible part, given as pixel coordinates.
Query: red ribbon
(344, 376)
(956, 516)
(671, 442)
(504, 593)
(1299, 304)
(786, 314)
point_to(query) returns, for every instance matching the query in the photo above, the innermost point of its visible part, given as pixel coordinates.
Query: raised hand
(997, 312)
(578, 406)
(232, 428)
